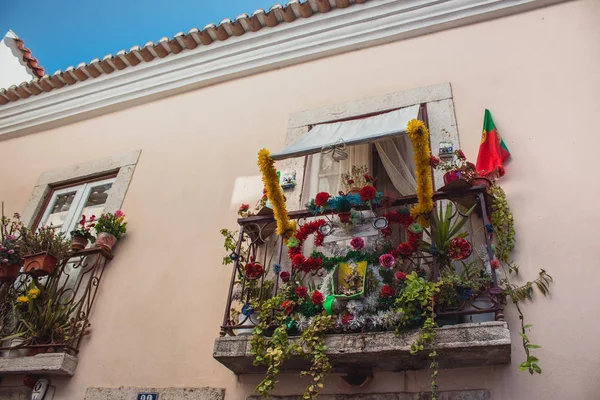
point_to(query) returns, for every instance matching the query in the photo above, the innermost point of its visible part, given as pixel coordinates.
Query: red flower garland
(295, 253)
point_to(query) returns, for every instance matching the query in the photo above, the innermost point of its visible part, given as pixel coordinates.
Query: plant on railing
(11, 252)
(43, 316)
(45, 240)
(312, 342)
(82, 234)
(503, 222)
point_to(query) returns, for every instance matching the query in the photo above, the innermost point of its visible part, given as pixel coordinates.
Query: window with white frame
(67, 204)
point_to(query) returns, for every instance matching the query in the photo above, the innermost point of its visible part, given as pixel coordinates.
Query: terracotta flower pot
(79, 242)
(9, 272)
(344, 217)
(451, 176)
(106, 241)
(40, 264)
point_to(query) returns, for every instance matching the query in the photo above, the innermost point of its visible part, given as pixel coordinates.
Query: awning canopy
(357, 131)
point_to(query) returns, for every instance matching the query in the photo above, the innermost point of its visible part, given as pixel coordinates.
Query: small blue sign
(147, 396)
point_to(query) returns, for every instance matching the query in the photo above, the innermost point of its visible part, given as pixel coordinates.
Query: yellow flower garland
(285, 227)
(419, 136)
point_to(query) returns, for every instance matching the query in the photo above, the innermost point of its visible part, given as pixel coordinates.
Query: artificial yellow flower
(33, 293)
(285, 227)
(419, 136)
(22, 299)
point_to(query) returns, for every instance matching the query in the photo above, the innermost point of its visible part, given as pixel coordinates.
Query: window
(66, 205)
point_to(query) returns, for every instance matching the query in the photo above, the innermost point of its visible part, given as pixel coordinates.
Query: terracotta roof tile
(241, 25)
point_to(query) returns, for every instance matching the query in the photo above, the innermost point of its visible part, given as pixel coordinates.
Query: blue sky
(69, 32)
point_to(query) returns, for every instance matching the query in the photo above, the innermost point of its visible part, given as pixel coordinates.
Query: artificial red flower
(285, 276)
(406, 249)
(244, 207)
(400, 276)
(346, 319)
(321, 199)
(253, 270)
(500, 171)
(459, 249)
(434, 161)
(357, 243)
(317, 298)
(387, 291)
(301, 291)
(460, 154)
(350, 181)
(369, 178)
(367, 193)
(298, 260)
(288, 306)
(495, 264)
(386, 231)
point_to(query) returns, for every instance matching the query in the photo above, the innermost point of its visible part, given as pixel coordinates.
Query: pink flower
(92, 218)
(82, 222)
(357, 243)
(119, 213)
(387, 260)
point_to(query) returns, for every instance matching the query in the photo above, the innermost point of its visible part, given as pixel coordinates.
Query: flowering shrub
(84, 228)
(113, 224)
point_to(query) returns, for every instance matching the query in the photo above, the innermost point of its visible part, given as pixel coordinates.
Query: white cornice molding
(341, 30)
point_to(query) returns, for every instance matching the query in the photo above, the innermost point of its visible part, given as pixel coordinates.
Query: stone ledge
(458, 395)
(464, 345)
(169, 393)
(43, 364)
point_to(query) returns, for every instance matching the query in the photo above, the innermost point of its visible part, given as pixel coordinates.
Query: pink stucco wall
(162, 298)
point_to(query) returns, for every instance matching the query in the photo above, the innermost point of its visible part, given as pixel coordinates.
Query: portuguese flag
(492, 150)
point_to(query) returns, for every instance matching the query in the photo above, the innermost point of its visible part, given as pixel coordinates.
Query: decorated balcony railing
(470, 316)
(43, 319)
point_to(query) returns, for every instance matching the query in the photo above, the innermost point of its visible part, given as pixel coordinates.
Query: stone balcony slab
(61, 364)
(464, 345)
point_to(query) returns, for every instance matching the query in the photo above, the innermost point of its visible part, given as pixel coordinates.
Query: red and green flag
(492, 150)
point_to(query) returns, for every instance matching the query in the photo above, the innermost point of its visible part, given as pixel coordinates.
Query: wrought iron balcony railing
(51, 314)
(257, 243)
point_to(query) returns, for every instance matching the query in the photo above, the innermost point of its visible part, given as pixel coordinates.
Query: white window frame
(82, 193)
(123, 165)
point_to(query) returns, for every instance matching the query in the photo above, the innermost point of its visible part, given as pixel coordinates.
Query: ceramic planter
(481, 302)
(79, 243)
(106, 241)
(451, 176)
(9, 272)
(40, 264)
(249, 321)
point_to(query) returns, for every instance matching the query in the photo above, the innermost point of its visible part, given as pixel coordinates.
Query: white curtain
(325, 173)
(397, 158)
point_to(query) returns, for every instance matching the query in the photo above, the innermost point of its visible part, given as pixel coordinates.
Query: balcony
(468, 308)
(30, 346)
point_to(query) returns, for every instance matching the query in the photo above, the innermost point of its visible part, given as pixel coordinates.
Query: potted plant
(43, 250)
(82, 235)
(458, 168)
(11, 258)
(41, 318)
(110, 228)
